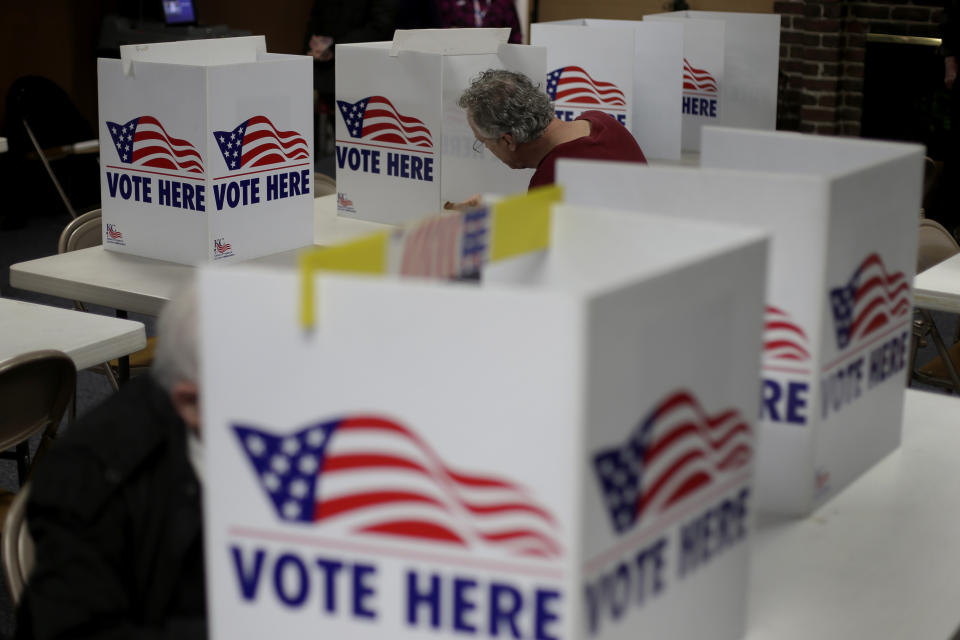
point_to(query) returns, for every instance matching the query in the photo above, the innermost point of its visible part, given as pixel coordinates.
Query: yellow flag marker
(366, 255)
(521, 224)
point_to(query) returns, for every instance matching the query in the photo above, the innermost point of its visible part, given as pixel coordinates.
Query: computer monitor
(179, 12)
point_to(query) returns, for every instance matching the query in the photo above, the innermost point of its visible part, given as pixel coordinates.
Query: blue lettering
(341, 156)
(842, 386)
(175, 188)
(330, 568)
(462, 605)
(888, 359)
(200, 193)
(164, 193)
(271, 187)
(430, 597)
(188, 196)
(789, 407)
(362, 591)
(622, 118)
(504, 613)
(416, 168)
(147, 185)
(305, 178)
(545, 615)
(797, 402)
(284, 179)
(712, 532)
(428, 169)
(300, 583)
(686, 104)
(294, 183)
(112, 179)
(219, 191)
(771, 396)
(249, 579)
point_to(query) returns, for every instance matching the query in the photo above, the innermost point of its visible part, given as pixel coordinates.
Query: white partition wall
(404, 147)
(206, 150)
(842, 214)
(629, 69)
(535, 457)
(731, 70)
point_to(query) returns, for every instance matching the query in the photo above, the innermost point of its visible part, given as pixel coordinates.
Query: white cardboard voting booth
(206, 150)
(404, 147)
(629, 69)
(731, 60)
(843, 218)
(536, 457)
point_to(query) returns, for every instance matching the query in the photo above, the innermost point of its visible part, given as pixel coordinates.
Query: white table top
(3, 145)
(87, 338)
(938, 287)
(144, 285)
(882, 559)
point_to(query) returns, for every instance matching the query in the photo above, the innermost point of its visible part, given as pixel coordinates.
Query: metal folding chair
(16, 545)
(35, 390)
(935, 244)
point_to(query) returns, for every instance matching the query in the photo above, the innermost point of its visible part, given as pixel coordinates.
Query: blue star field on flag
(553, 78)
(843, 300)
(288, 466)
(619, 470)
(122, 135)
(352, 113)
(231, 144)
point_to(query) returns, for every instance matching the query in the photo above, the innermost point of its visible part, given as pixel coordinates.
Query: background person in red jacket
(515, 120)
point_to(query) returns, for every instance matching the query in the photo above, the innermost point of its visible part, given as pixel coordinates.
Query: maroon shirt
(482, 13)
(608, 140)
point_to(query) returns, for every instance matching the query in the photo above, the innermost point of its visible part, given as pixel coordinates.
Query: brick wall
(822, 46)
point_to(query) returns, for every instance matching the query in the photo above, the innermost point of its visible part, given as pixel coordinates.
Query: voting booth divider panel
(627, 69)
(206, 150)
(842, 219)
(403, 144)
(533, 455)
(730, 71)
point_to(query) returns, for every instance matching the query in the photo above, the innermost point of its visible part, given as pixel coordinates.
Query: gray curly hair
(500, 101)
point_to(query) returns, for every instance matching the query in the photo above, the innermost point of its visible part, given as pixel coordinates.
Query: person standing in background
(947, 209)
(481, 13)
(342, 22)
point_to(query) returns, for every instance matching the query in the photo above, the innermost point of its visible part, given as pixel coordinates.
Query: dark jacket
(346, 21)
(114, 510)
(950, 28)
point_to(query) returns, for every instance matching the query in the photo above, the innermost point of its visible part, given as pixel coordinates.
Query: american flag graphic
(676, 451)
(573, 85)
(783, 339)
(375, 119)
(221, 246)
(430, 249)
(473, 249)
(113, 233)
(698, 80)
(869, 301)
(255, 142)
(143, 142)
(368, 475)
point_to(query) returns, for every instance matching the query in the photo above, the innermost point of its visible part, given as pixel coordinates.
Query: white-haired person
(114, 508)
(515, 120)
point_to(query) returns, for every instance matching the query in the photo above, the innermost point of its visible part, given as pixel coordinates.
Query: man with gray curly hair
(515, 120)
